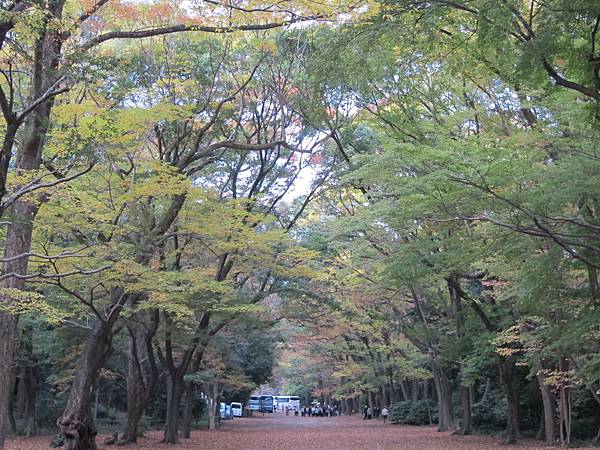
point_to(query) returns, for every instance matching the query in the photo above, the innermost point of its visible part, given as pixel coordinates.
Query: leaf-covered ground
(309, 433)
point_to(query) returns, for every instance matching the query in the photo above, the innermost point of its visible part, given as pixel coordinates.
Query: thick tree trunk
(414, 391)
(466, 402)
(513, 431)
(174, 393)
(142, 373)
(18, 242)
(446, 420)
(384, 396)
(25, 386)
(188, 410)
(564, 393)
(549, 403)
(8, 327)
(76, 422)
(212, 414)
(404, 390)
(23, 211)
(136, 392)
(25, 401)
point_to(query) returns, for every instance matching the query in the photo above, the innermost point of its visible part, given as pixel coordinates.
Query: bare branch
(137, 34)
(52, 91)
(66, 254)
(41, 275)
(34, 186)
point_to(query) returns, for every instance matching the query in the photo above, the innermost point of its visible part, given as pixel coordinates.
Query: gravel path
(278, 432)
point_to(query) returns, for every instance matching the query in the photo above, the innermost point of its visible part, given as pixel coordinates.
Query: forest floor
(277, 432)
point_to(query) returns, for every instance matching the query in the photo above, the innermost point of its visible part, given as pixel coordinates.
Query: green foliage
(421, 412)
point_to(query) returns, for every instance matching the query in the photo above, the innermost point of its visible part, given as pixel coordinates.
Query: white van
(237, 409)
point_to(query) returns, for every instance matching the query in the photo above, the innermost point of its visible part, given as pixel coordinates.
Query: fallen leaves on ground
(308, 433)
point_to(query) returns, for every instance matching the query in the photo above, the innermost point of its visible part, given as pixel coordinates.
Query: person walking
(385, 413)
(365, 409)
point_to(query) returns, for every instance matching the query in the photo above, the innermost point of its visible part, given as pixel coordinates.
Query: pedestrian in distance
(385, 413)
(365, 410)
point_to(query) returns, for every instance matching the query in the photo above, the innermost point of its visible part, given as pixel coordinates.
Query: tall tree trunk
(23, 211)
(214, 396)
(174, 393)
(466, 402)
(18, 242)
(8, 328)
(509, 383)
(446, 420)
(26, 386)
(404, 390)
(76, 422)
(190, 393)
(414, 391)
(549, 403)
(188, 410)
(25, 401)
(393, 390)
(564, 392)
(213, 410)
(384, 395)
(142, 372)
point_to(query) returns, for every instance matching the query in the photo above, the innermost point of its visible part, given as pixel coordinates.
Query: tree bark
(23, 211)
(414, 391)
(188, 410)
(190, 393)
(564, 392)
(174, 393)
(513, 430)
(549, 403)
(446, 420)
(76, 422)
(8, 326)
(466, 402)
(142, 373)
(25, 401)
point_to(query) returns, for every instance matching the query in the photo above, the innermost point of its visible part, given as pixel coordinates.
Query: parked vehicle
(226, 412)
(237, 409)
(294, 403)
(266, 404)
(254, 403)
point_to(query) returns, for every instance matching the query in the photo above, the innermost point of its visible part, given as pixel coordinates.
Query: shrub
(421, 412)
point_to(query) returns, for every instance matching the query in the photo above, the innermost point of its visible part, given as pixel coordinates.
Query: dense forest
(383, 203)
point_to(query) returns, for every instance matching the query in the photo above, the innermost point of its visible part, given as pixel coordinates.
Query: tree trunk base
(78, 434)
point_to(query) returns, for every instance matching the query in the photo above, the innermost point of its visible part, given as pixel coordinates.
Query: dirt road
(278, 432)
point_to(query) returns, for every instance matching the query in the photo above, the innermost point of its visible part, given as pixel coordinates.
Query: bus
(254, 403)
(294, 403)
(291, 401)
(282, 402)
(266, 403)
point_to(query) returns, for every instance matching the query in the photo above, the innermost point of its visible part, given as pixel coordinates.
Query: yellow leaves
(266, 46)
(157, 179)
(560, 379)
(21, 302)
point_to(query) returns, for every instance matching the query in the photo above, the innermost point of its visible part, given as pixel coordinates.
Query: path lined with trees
(392, 203)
